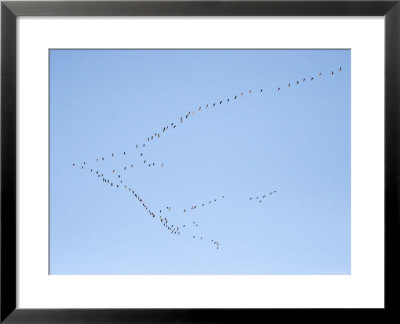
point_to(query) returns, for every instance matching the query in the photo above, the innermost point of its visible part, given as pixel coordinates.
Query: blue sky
(295, 141)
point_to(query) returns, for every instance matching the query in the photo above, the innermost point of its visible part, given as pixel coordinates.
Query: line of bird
(124, 168)
(311, 78)
(118, 183)
(191, 112)
(194, 207)
(261, 197)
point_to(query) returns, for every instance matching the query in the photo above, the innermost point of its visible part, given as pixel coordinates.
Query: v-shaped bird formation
(114, 178)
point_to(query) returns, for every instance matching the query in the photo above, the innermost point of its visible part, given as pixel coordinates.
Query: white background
(363, 288)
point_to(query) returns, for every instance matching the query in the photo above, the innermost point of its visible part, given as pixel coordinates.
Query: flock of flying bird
(116, 181)
(193, 207)
(260, 198)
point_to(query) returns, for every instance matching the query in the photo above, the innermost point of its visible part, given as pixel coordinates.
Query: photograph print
(199, 162)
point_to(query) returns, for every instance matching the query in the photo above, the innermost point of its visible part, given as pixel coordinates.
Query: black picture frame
(10, 10)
